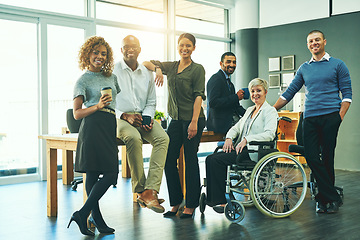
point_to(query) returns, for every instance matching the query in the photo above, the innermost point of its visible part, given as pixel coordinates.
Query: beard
(229, 70)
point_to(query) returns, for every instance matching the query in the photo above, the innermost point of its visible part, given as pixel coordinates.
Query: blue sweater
(323, 81)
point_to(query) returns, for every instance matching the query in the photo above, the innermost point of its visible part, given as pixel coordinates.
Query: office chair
(73, 126)
(299, 149)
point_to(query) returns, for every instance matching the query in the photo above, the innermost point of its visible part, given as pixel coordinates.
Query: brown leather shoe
(149, 199)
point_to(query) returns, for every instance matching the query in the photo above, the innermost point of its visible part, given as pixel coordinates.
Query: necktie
(231, 87)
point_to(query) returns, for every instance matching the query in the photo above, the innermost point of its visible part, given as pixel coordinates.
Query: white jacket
(262, 127)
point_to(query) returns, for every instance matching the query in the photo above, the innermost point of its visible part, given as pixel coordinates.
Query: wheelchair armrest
(297, 149)
(261, 144)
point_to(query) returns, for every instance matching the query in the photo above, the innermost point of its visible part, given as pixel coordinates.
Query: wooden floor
(23, 216)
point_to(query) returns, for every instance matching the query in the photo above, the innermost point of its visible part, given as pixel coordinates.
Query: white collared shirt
(326, 57)
(137, 90)
(226, 76)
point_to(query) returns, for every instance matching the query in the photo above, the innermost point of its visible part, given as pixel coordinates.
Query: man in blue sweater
(324, 78)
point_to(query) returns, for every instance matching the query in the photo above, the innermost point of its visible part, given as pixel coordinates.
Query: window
(26, 23)
(198, 18)
(63, 71)
(19, 98)
(208, 54)
(144, 13)
(77, 6)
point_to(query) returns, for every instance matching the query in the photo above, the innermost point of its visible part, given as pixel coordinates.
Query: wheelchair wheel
(240, 190)
(278, 184)
(236, 214)
(202, 202)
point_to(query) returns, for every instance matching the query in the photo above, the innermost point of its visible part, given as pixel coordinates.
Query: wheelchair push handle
(287, 119)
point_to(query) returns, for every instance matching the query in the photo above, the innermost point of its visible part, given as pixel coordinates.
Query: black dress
(97, 150)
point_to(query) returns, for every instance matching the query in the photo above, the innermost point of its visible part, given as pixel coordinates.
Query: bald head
(132, 39)
(131, 50)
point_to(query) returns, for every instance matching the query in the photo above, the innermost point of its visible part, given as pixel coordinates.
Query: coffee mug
(146, 120)
(106, 90)
(246, 93)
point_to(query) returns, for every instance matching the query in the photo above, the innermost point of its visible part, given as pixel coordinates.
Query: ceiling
(184, 8)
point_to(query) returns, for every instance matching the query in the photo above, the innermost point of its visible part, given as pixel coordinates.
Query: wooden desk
(67, 143)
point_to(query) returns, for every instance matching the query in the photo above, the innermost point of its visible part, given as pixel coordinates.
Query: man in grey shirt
(136, 100)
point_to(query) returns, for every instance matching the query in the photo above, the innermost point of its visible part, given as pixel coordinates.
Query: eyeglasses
(127, 47)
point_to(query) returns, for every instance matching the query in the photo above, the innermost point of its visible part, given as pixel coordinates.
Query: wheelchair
(276, 184)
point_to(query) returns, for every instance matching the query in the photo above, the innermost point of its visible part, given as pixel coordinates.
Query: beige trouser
(133, 139)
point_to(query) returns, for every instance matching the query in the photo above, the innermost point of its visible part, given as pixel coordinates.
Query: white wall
(279, 12)
(266, 13)
(244, 15)
(345, 6)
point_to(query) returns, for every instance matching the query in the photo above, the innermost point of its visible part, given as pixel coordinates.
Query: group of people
(121, 114)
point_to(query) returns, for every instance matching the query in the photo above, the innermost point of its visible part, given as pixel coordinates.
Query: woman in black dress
(96, 152)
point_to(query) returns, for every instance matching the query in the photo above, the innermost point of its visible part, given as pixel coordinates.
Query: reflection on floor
(23, 216)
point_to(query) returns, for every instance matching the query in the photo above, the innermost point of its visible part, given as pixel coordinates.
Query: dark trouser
(177, 132)
(320, 135)
(216, 172)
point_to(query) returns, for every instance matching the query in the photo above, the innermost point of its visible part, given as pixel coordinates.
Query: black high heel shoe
(101, 229)
(169, 214)
(81, 223)
(186, 215)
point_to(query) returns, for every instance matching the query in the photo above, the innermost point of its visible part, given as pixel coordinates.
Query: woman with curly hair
(96, 152)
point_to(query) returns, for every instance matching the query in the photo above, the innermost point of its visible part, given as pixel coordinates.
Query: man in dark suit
(224, 109)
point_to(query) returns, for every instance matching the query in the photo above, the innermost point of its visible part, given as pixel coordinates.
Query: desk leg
(181, 167)
(51, 161)
(125, 170)
(84, 189)
(67, 167)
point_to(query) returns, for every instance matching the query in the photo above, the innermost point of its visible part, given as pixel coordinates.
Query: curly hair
(90, 45)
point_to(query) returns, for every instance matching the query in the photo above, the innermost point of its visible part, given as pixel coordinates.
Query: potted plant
(160, 118)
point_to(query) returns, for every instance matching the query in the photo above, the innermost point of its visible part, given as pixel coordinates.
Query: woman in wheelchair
(259, 123)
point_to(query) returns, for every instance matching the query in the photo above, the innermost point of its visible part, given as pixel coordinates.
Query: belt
(135, 113)
(108, 110)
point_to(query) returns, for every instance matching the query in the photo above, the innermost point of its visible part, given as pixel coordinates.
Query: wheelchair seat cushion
(264, 152)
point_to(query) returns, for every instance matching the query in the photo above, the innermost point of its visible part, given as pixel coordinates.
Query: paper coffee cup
(106, 90)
